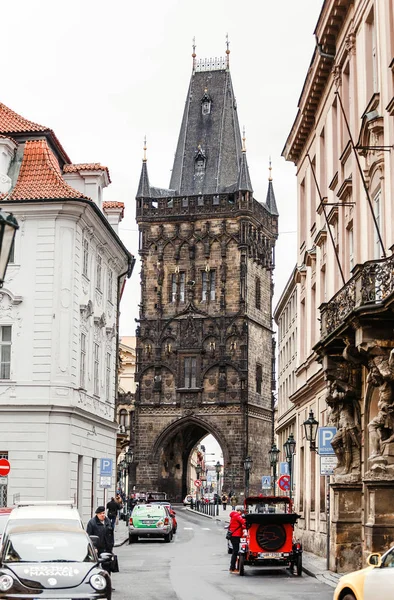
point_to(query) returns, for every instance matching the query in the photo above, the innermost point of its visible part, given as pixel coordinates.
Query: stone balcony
(370, 290)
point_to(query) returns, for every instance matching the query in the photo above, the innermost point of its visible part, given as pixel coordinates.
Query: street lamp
(218, 468)
(289, 447)
(198, 469)
(248, 462)
(274, 454)
(8, 227)
(311, 426)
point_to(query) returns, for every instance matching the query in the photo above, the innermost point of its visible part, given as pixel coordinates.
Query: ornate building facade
(342, 145)
(204, 341)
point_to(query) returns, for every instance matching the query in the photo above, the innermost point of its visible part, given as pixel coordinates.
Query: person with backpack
(236, 527)
(112, 511)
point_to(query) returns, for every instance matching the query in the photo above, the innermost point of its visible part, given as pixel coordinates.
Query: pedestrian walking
(100, 526)
(112, 511)
(224, 501)
(233, 501)
(236, 527)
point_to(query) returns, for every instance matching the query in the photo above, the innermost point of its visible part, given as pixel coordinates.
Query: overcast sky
(104, 74)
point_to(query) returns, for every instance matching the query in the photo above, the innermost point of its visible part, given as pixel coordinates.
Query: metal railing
(206, 508)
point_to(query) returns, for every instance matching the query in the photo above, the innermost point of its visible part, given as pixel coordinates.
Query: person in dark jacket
(236, 527)
(100, 525)
(112, 511)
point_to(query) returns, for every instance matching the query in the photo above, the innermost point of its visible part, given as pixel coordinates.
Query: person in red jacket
(236, 527)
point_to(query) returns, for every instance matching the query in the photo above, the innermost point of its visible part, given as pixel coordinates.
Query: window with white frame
(85, 262)
(377, 225)
(110, 285)
(5, 352)
(108, 377)
(208, 291)
(96, 370)
(351, 247)
(99, 268)
(83, 361)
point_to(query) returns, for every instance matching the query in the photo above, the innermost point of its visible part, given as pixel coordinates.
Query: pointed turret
(244, 184)
(144, 187)
(270, 201)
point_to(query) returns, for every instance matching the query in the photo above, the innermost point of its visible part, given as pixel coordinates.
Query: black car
(49, 560)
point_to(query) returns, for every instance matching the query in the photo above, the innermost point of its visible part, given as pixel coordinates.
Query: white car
(60, 512)
(188, 500)
(376, 582)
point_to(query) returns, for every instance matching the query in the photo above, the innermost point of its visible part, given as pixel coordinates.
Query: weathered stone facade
(204, 341)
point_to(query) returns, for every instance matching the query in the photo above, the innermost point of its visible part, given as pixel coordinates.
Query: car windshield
(266, 508)
(48, 546)
(388, 560)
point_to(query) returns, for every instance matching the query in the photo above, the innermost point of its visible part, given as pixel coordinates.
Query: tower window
(190, 371)
(208, 291)
(206, 107)
(258, 293)
(200, 165)
(259, 378)
(177, 287)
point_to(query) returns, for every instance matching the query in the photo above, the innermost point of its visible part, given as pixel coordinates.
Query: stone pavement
(312, 565)
(121, 533)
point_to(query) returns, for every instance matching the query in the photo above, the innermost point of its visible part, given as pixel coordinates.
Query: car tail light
(130, 521)
(166, 521)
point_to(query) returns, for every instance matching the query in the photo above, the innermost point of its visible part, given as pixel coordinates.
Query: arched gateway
(204, 340)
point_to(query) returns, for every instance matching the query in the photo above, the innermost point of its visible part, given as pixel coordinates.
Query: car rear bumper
(150, 531)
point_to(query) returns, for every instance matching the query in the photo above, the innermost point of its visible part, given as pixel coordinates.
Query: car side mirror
(374, 559)
(95, 540)
(105, 556)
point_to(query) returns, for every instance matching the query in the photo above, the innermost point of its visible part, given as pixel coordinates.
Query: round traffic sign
(284, 482)
(4, 467)
(197, 482)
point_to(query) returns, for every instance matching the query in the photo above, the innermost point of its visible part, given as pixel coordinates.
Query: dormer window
(200, 160)
(206, 102)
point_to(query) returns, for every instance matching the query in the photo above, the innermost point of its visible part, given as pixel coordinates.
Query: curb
(118, 544)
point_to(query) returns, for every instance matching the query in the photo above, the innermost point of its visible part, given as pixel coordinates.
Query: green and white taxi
(374, 582)
(150, 521)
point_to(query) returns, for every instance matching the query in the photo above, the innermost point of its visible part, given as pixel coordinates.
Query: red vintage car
(268, 539)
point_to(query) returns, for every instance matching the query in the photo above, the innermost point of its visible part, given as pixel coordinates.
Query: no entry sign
(197, 483)
(4, 467)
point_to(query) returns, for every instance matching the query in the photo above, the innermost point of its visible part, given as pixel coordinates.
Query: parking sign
(106, 466)
(325, 436)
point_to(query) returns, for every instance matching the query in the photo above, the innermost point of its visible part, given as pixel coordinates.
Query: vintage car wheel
(241, 564)
(271, 537)
(299, 565)
(349, 597)
(133, 539)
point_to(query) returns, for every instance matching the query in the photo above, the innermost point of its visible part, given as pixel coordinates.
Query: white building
(58, 320)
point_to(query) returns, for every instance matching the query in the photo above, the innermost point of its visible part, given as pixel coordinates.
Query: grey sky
(103, 75)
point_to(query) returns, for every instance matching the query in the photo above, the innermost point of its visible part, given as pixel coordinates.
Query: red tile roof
(40, 176)
(11, 122)
(114, 205)
(85, 167)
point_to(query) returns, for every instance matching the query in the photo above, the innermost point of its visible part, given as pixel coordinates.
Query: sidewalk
(121, 534)
(312, 565)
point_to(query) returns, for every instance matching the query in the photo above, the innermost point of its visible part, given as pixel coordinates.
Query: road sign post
(284, 482)
(325, 435)
(5, 467)
(266, 482)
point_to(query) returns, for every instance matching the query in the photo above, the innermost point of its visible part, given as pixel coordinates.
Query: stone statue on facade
(381, 427)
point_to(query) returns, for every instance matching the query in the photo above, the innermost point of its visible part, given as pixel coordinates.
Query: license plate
(148, 522)
(270, 555)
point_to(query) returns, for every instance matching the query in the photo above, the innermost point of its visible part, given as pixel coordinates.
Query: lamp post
(248, 462)
(128, 458)
(8, 227)
(274, 454)
(198, 469)
(311, 426)
(289, 448)
(218, 468)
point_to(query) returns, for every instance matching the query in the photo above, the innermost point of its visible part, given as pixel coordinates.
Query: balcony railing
(371, 284)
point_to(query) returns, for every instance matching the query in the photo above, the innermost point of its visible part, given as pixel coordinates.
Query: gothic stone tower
(204, 341)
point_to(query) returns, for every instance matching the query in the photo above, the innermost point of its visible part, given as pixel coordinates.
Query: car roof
(45, 511)
(147, 507)
(47, 527)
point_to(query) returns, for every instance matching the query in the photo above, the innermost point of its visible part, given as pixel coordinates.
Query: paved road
(195, 566)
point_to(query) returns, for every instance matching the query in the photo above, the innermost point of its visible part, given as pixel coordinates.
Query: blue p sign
(106, 466)
(325, 437)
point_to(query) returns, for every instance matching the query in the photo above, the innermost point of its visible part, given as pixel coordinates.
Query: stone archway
(172, 451)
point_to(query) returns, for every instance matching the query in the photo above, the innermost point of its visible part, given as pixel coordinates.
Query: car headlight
(98, 582)
(6, 583)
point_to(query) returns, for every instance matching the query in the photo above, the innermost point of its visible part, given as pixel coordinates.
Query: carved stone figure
(345, 416)
(381, 427)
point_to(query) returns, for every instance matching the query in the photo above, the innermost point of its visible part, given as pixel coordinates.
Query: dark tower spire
(244, 183)
(270, 201)
(210, 122)
(144, 190)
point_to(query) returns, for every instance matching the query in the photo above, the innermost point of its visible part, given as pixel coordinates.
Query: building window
(110, 285)
(108, 377)
(177, 291)
(99, 266)
(123, 419)
(259, 378)
(5, 366)
(85, 257)
(376, 228)
(351, 247)
(83, 361)
(258, 293)
(11, 259)
(96, 369)
(190, 366)
(208, 285)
